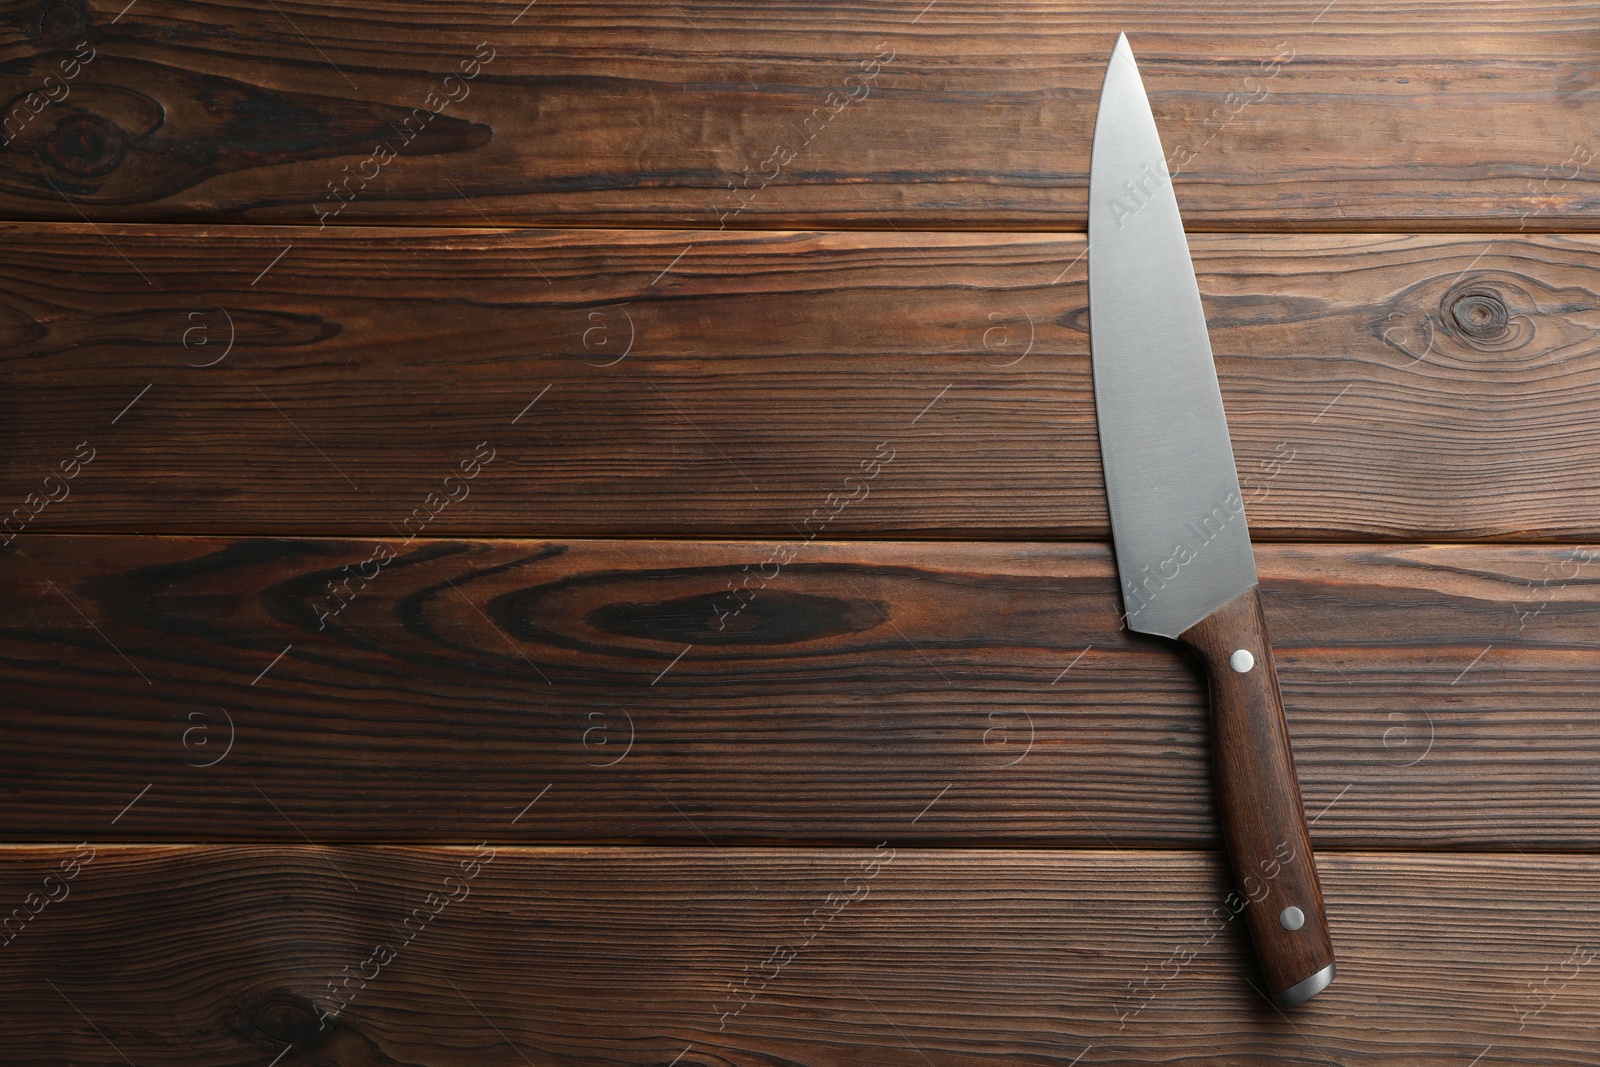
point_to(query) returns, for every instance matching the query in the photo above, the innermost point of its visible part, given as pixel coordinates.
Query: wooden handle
(1258, 795)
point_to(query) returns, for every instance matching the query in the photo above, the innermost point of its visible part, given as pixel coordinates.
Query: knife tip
(1122, 45)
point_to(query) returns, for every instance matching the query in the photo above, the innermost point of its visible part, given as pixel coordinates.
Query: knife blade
(1177, 518)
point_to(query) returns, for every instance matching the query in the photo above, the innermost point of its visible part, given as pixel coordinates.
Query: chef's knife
(1177, 517)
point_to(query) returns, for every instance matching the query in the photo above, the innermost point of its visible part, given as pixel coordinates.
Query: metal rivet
(1292, 918)
(1242, 661)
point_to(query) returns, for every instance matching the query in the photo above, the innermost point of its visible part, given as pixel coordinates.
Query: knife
(1177, 518)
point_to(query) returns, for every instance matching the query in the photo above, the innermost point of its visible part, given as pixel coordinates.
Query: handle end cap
(1304, 991)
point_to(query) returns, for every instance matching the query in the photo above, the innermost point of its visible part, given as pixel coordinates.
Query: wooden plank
(268, 381)
(1276, 115)
(179, 689)
(174, 955)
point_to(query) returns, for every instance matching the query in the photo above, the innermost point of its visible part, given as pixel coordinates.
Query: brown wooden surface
(194, 412)
(224, 956)
(1258, 795)
(1438, 697)
(724, 385)
(1355, 115)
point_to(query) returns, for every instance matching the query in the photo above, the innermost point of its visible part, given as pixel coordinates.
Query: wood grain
(205, 425)
(250, 381)
(579, 956)
(1438, 697)
(954, 115)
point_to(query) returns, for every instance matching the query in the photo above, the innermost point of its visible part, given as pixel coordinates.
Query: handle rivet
(1242, 661)
(1292, 918)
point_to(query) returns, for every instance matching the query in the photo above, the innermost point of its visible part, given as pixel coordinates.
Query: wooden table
(574, 534)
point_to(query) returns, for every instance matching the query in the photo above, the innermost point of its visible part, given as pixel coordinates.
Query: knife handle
(1258, 797)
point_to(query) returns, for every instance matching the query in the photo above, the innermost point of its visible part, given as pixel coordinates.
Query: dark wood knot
(54, 23)
(86, 145)
(1491, 313)
(80, 138)
(1479, 312)
(287, 1018)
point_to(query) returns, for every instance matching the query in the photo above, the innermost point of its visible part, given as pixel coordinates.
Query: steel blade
(1177, 517)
